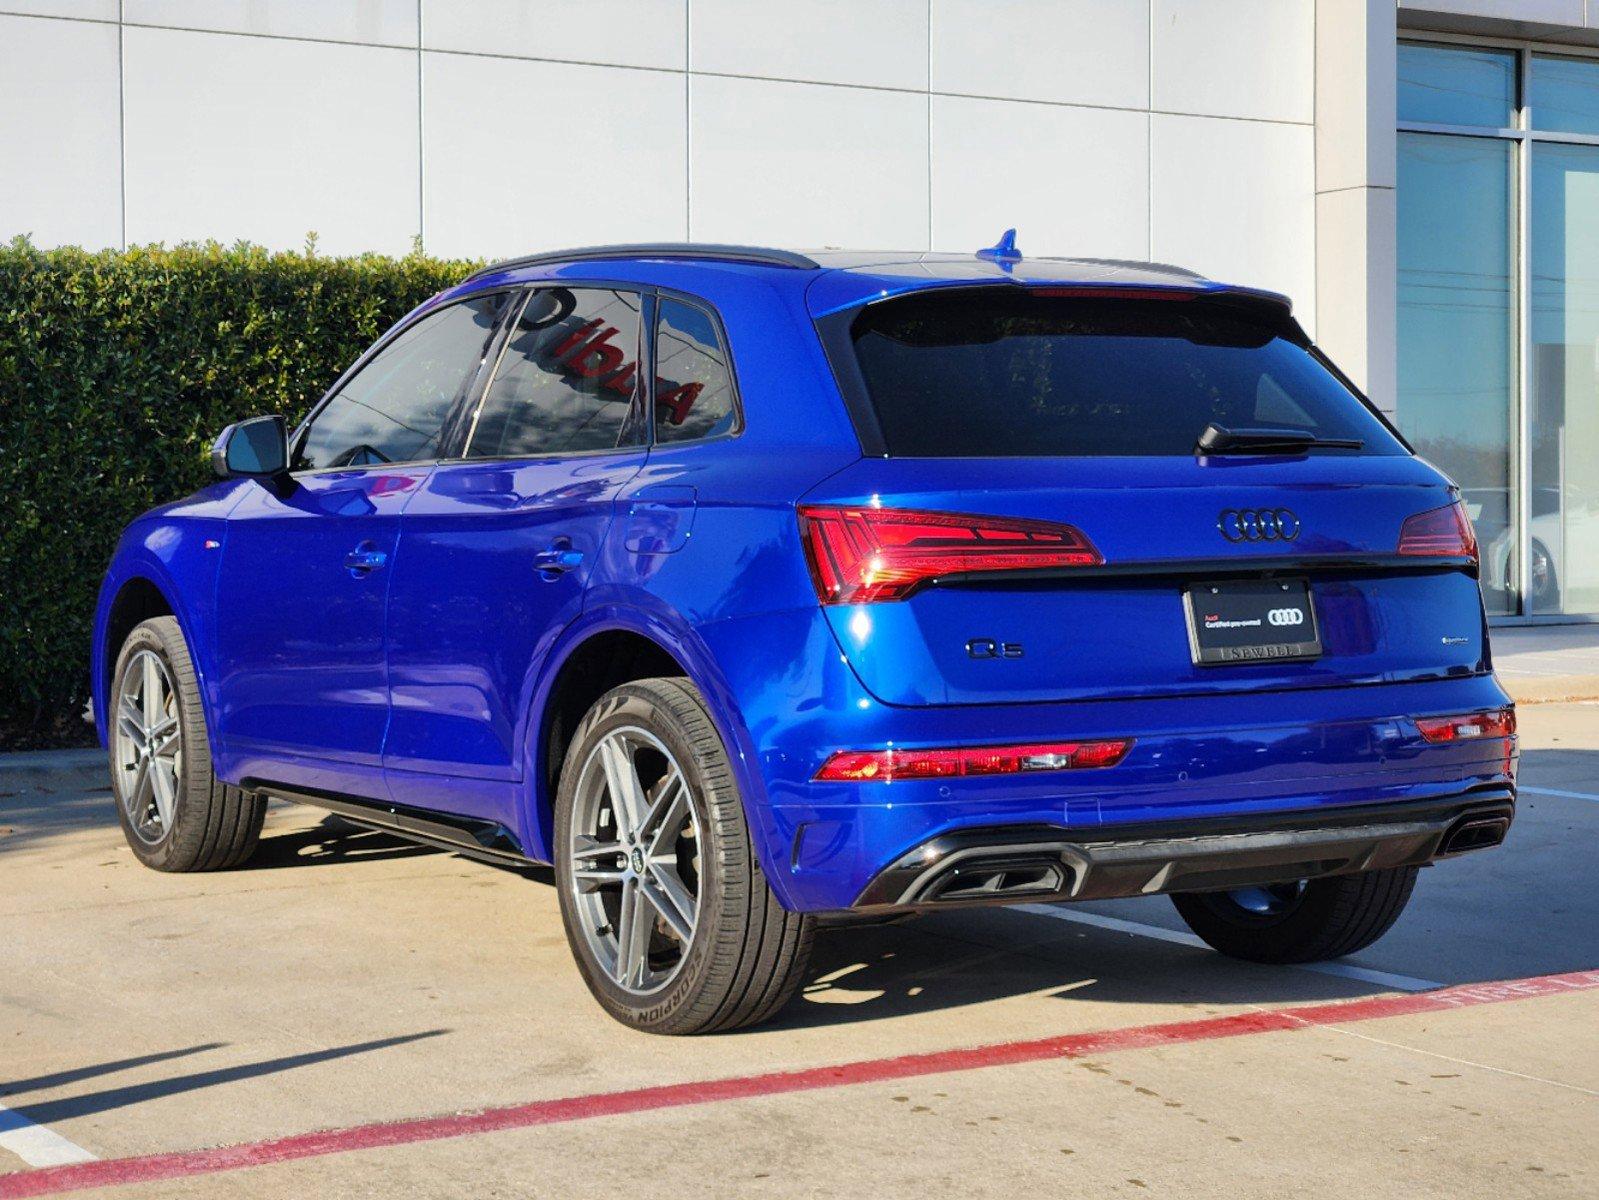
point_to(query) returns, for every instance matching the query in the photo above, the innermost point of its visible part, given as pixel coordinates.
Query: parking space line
(1532, 791)
(183, 1164)
(1402, 983)
(36, 1145)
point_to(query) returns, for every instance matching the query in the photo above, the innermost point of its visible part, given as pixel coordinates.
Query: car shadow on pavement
(336, 840)
(51, 1111)
(331, 841)
(950, 961)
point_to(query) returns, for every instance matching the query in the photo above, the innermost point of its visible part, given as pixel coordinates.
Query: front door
(306, 564)
(497, 547)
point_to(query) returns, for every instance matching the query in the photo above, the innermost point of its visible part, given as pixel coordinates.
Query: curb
(1550, 689)
(53, 770)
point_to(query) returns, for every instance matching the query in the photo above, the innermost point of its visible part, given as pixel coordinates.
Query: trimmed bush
(117, 369)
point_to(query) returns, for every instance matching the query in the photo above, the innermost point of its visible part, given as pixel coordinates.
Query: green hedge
(117, 369)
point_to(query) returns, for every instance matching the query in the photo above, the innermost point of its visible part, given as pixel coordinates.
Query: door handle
(557, 560)
(364, 559)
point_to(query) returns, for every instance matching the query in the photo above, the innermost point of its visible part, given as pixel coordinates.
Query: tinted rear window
(963, 373)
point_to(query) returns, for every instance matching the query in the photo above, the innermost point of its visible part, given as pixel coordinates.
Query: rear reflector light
(1439, 533)
(1498, 723)
(1117, 293)
(884, 766)
(863, 555)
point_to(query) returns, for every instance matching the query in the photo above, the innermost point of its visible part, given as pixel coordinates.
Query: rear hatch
(1096, 553)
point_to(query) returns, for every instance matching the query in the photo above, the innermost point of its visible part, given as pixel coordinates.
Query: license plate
(1251, 621)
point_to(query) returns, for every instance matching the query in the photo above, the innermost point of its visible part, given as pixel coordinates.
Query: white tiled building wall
(1180, 130)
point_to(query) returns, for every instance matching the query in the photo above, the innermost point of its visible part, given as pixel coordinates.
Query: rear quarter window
(1009, 373)
(693, 382)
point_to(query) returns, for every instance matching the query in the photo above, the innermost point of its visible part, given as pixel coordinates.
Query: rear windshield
(991, 373)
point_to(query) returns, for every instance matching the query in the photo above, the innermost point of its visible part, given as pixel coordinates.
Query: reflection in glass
(568, 378)
(1565, 379)
(693, 387)
(1457, 85)
(393, 410)
(1563, 94)
(1457, 330)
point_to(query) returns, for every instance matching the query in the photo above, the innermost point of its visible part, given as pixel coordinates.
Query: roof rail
(696, 250)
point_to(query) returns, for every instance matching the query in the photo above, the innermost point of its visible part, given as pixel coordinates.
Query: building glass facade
(1498, 306)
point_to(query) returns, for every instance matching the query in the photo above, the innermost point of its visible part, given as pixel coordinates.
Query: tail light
(1497, 723)
(1439, 533)
(885, 766)
(863, 555)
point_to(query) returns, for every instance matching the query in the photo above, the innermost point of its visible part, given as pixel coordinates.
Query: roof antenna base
(1003, 251)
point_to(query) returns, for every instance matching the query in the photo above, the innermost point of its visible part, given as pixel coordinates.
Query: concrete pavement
(345, 979)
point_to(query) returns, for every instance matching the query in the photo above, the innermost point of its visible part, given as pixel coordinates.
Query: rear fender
(647, 616)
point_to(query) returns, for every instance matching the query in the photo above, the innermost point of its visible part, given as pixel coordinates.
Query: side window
(693, 385)
(394, 408)
(567, 379)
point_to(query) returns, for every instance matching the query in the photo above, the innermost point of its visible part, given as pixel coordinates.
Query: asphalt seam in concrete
(182, 1164)
(1464, 1062)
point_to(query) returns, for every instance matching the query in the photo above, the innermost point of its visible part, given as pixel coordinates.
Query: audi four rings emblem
(1258, 524)
(1286, 616)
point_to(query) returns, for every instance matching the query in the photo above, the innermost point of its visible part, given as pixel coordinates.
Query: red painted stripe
(148, 1168)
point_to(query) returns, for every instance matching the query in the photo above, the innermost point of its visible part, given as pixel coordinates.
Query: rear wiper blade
(1218, 439)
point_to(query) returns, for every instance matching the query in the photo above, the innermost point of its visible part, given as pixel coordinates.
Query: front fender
(180, 560)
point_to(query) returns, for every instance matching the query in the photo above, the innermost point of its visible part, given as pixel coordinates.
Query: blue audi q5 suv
(756, 590)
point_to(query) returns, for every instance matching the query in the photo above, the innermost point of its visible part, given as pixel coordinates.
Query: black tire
(214, 826)
(1546, 596)
(1330, 918)
(748, 954)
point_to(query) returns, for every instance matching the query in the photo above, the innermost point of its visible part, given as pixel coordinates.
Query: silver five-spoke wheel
(149, 746)
(634, 853)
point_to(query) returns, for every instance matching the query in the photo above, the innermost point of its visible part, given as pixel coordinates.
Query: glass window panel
(693, 387)
(1563, 94)
(1564, 424)
(394, 408)
(567, 380)
(1457, 85)
(1457, 372)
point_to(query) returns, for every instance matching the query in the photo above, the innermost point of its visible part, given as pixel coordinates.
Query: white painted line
(1532, 791)
(1401, 983)
(36, 1145)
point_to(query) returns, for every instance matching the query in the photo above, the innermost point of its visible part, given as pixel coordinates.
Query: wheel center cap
(636, 861)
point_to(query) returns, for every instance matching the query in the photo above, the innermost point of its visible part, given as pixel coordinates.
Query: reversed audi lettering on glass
(567, 380)
(1258, 524)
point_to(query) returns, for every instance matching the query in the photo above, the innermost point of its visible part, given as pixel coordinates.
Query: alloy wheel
(149, 745)
(634, 860)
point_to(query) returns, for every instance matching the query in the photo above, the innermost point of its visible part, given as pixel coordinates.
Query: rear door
(1102, 556)
(497, 545)
(306, 563)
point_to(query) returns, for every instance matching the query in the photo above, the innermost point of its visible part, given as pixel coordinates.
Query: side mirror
(257, 448)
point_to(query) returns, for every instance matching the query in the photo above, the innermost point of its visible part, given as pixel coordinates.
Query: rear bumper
(1011, 865)
(788, 700)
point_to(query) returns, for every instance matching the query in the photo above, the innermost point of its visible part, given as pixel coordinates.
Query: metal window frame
(1524, 137)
